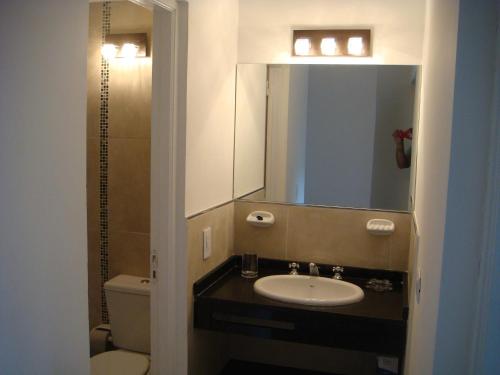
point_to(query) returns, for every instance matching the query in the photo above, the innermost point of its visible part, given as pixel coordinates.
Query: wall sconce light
(125, 46)
(356, 43)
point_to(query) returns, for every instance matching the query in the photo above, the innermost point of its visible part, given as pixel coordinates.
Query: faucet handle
(294, 268)
(338, 269)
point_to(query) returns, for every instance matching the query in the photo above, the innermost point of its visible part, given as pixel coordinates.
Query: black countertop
(376, 305)
(225, 301)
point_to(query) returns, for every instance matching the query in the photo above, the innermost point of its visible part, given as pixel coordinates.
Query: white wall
(250, 128)
(340, 131)
(222, 32)
(453, 141)
(436, 109)
(490, 361)
(297, 133)
(467, 184)
(43, 247)
(265, 27)
(212, 54)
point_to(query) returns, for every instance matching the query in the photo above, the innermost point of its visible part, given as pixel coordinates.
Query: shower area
(118, 147)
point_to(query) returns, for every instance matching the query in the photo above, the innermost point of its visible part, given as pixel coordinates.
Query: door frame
(168, 224)
(168, 260)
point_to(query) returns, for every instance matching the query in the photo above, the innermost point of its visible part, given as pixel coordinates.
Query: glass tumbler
(249, 266)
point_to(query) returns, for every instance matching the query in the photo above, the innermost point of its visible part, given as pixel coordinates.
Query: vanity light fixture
(302, 46)
(125, 46)
(355, 46)
(129, 50)
(109, 51)
(328, 47)
(332, 43)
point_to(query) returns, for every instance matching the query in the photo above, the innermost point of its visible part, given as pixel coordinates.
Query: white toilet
(128, 306)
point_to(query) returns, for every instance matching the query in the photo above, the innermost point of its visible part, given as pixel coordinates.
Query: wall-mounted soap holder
(380, 227)
(260, 219)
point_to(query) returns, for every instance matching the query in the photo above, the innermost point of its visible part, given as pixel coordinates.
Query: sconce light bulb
(109, 51)
(328, 47)
(129, 50)
(355, 46)
(302, 46)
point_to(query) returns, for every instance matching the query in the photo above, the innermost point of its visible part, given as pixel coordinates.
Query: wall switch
(207, 243)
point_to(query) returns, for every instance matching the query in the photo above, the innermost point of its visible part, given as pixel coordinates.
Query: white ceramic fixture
(380, 227)
(128, 302)
(260, 219)
(308, 290)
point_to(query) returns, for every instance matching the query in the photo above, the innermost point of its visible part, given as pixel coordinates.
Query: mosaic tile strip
(103, 163)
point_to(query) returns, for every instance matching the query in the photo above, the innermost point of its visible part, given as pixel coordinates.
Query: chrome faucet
(337, 270)
(294, 268)
(313, 269)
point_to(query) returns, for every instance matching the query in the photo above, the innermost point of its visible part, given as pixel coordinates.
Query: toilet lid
(119, 362)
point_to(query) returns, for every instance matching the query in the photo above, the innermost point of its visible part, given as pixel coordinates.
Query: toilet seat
(119, 362)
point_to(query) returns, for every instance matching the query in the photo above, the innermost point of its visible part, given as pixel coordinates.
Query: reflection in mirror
(333, 135)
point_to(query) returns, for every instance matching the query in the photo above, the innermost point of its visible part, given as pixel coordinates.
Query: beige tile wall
(129, 153)
(208, 351)
(323, 235)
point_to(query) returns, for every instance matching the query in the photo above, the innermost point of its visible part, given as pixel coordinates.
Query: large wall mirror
(330, 135)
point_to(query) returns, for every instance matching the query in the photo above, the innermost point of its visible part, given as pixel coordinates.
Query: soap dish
(380, 227)
(260, 219)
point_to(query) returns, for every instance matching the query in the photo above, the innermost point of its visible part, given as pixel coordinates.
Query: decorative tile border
(103, 163)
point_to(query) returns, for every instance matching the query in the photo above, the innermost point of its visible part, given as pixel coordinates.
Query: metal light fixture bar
(129, 45)
(332, 43)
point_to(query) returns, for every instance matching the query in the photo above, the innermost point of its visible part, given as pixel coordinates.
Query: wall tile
(221, 221)
(130, 99)
(93, 184)
(128, 254)
(94, 69)
(324, 235)
(94, 279)
(333, 236)
(129, 186)
(266, 242)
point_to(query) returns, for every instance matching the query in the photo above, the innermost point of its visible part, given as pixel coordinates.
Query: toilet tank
(128, 301)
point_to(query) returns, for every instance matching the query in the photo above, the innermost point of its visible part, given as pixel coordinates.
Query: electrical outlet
(207, 243)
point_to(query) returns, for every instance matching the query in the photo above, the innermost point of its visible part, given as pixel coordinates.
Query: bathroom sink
(308, 290)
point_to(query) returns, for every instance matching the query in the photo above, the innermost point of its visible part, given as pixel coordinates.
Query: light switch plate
(207, 243)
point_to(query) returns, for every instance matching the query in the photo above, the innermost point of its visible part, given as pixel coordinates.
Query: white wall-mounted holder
(380, 227)
(260, 219)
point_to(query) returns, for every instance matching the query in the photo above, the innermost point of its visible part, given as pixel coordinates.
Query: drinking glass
(249, 266)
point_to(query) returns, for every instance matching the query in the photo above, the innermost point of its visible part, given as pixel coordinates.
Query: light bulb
(302, 46)
(109, 51)
(328, 46)
(129, 50)
(355, 46)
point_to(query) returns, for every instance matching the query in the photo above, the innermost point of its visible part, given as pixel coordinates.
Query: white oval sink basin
(308, 290)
